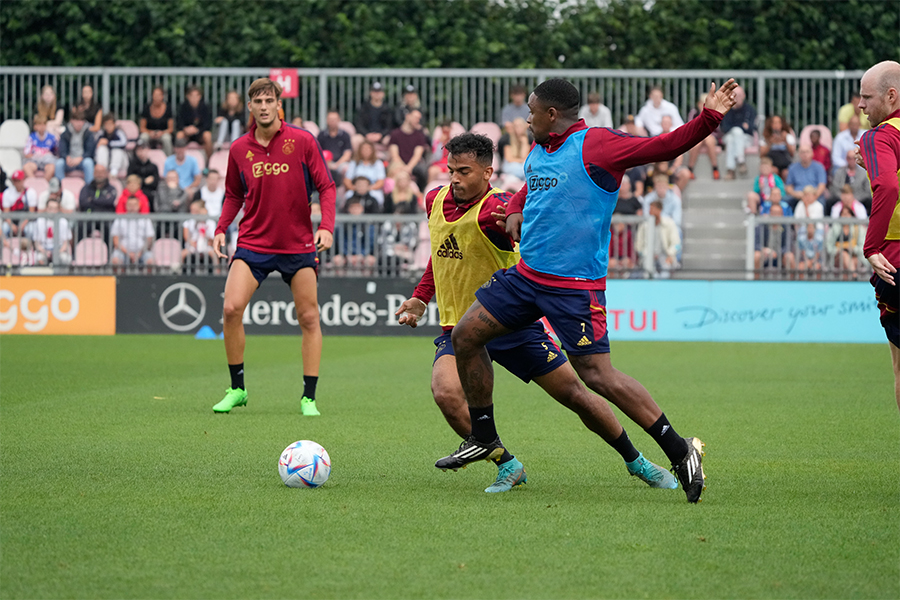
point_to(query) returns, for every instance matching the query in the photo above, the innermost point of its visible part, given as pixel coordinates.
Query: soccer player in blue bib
(562, 218)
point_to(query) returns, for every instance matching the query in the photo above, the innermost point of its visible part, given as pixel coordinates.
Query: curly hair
(472, 143)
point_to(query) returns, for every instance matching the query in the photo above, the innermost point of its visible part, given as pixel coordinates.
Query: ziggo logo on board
(63, 306)
(58, 305)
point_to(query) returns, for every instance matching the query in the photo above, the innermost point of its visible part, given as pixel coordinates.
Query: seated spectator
(821, 153)
(230, 119)
(47, 108)
(670, 202)
(374, 119)
(360, 195)
(516, 151)
(764, 185)
(410, 101)
(212, 195)
(132, 239)
(633, 128)
(810, 245)
(667, 240)
(765, 206)
(143, 167)
(193, 121)
(848, 201)
(627, 203)
(854, 176)
(187, 168)
(98, 195)
(639, 178)
(170, 198)
(595, 113)
(133, 190)
(157, 124)
(366, 163)
(805, 172)
(17, 198)
(516, 108)
(778, 143)
(849, 110)
(439, 152)
(405, 197)
(845, 244)
(709, 143)
(76, 149)
(47, 233)
(111, 147)
(355, 242)
(737, 133)
(90, 109)
(408, 148)
(773, 243)
(808, 207)
(64, 198)
(40, 150)
(621, 249)
(651, 114)
(335, 140)
(667, 127)
(398, 246)
(844, 143)
(198, 237)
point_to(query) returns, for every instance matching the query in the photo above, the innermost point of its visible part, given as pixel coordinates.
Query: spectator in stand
(633, 128)
(132, 190)
(439, 153)
(638, 176)
(852, 109)
(212, 195)
(737, 133)
(170, 198)
(335, 140)
(667, 127)
(90, 109)
(157, 124)
(76, 149)
(621, 249)
(808, 207)
(710, 143)
(821, 153)
(111, 147)
(188, 170)
(845, 244)
(193, 122)
(806, 172)
(132, 238)
(146, 169)
(64, 198)
(773, 243)
(355, 242)
(516, 151)
(46, 235)
(848, 201)
(765, 188)
(398, 242)
(516, 108)
(844, 143)
(628, 203)
(366, 163)
(40, 150)
(810, 246)
(374, 118)
(651, 114)
(667, 240)
(595, 113)
(230, 119)
(411, 101)
(670, 202)
(198, 237)
(361, 195)
(98, 195)
(47, 108)
(778, 143)
(409, 147)
(854, 176)
(405, 197)
(17, 198)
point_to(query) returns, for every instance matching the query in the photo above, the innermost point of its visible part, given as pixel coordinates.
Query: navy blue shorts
(527, 353)
(888, 298)
(577, 316)
(286, 264)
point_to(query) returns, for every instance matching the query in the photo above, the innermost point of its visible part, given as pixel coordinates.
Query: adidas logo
(483, 418)
(551, 356)
(529, 169)
(584, 341)
(450, 249)
(249, 155)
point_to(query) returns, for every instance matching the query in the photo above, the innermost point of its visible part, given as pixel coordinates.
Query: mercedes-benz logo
(195, 309)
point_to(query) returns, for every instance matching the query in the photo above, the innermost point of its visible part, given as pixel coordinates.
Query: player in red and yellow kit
(879, 153)
(468, 246)
(272, 172)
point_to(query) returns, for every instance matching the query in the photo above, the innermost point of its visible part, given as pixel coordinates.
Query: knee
(446, 398)
(308, 318)
(232, 312)
(462, 343)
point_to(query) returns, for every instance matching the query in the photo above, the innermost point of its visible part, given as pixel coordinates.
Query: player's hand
(324, 240)
(859, 156)
(723, 99)
(514, 226)
(219, 242)
(882, 267)
(500, 215)
(410, 312)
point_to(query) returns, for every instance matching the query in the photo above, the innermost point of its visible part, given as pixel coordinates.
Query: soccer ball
(304, 464)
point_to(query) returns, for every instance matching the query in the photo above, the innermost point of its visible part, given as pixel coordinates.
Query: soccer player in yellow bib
(468, 245)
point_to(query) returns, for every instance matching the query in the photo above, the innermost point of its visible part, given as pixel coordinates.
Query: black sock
(237, 376)
(309, 386)
(671, 443)
(483, 428)
(623, 446)
(715, 169)
(505, 458)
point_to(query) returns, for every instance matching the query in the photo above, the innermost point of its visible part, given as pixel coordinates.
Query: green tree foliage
(666, 34)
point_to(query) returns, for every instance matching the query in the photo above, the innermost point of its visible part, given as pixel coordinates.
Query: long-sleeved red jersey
(880, 148)
(274, 184)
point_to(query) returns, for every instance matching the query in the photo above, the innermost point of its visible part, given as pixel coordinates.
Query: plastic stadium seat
(14, 133)
(166, 252)
(219, 162)
(825, 133)
(199, 156)
(158, 158)
(348, 127)
(73, 184)
(10, 160)
(457, 129)
(116, 184)
(312, 127)
(491, 130)
(131, 130)
(91, 252)
(38, 184)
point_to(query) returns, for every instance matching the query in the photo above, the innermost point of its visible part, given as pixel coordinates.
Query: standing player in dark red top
(879, 153)
(272, 173)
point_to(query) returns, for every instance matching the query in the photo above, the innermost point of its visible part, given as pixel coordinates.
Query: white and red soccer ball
(304, 464)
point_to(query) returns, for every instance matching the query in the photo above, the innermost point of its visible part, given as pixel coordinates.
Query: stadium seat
(166, 252)
(219, 162)
(10, 160)
(131, 130)
(73, 184)
(91, 252)
(312, 127)
(6, 256)
(199, 156)
(457, 129)
(158, 158)
(14, 133)
(348, 127)
(491, 130)
(116, 183)
(825, 133)
(38, 184)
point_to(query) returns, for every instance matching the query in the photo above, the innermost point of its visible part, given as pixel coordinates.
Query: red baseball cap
(18, 175)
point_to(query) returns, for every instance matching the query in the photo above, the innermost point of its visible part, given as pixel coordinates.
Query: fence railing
(468, 96)
(819, 249)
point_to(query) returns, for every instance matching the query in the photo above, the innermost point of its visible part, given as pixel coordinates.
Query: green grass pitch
(118, 481)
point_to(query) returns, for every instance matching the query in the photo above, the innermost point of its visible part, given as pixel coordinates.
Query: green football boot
(308, 407)
(233, 397)
(510, 474)
(653, 475)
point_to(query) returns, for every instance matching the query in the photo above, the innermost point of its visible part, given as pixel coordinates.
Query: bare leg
(895, 358)
(303, 287)
(470, 336)
(563, 386)
(625, 392)
(239, 288)
(448, 395)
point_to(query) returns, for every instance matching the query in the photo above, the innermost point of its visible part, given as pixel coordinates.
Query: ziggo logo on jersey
(64, 306)
(260, 169)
